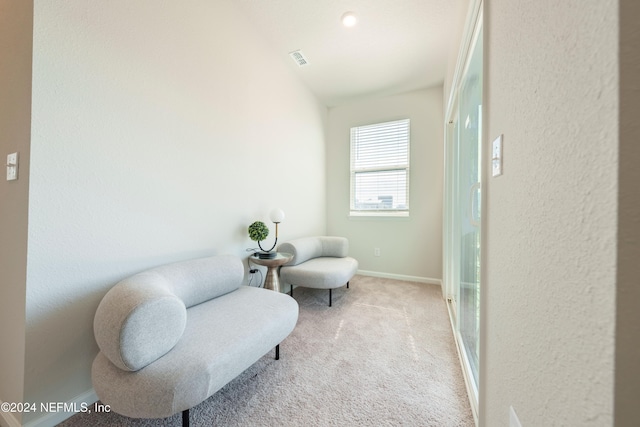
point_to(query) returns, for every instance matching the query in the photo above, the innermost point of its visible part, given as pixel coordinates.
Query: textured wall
(160, 131)
(550, 274)
(15, 114)
(413, 246)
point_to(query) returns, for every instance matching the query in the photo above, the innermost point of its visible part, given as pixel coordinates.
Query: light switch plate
(12, 167)
(496, 156)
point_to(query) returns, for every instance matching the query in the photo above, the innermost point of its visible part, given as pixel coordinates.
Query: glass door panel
(468, 209)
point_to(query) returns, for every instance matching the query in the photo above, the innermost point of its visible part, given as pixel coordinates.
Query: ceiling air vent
(299, 58)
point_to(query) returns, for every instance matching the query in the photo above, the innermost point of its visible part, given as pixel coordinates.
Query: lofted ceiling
(396, 46)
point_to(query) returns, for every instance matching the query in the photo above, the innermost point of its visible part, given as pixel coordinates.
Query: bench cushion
(222, 338)
(138, 321)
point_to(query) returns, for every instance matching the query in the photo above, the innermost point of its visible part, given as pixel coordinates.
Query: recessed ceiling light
(349, 19)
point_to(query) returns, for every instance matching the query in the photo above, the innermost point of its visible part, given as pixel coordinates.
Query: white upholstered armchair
(320, 262)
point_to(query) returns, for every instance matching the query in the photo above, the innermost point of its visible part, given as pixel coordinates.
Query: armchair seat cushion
(321, 273)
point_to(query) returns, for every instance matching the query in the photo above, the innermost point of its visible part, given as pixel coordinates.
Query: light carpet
(383, 355)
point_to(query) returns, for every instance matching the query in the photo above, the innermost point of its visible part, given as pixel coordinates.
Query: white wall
(409, 247)
(463, 15)
(549, 276)
(160, 131)
(15, 105)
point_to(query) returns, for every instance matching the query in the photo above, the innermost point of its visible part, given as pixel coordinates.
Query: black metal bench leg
(278, 352)
(185, 418)
(329, 297)
(291, 291)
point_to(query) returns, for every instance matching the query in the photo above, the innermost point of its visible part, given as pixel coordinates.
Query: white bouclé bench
(172, 336)
(320, 262)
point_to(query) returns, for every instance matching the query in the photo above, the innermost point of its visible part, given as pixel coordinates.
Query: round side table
(272, 281)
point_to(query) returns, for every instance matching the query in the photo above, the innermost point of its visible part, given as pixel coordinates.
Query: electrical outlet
(376, 251)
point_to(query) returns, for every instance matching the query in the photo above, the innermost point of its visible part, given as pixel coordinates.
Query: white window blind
(380, 169)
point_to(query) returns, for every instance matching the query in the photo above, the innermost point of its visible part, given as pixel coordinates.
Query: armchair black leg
(278, 352)
(291, 291)
(347, 285)
(185, 418)
(329, 297)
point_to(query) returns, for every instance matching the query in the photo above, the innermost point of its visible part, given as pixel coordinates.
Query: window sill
(378, 215)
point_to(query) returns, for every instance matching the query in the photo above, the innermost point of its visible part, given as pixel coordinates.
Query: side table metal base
(272, 281)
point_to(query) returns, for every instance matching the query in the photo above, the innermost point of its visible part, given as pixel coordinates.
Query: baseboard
(7, 419)
(50, 419)
(401, 277)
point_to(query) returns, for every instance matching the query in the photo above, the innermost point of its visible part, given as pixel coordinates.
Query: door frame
(473, 25)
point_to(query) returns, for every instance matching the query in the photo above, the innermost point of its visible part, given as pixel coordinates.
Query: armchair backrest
(307, 248)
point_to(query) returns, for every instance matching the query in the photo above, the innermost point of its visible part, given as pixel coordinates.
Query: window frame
(404, 125)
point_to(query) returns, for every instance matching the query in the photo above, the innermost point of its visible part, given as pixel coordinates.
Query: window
(380, 169)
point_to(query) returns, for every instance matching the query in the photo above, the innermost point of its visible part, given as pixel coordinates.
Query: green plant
(258, 231)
